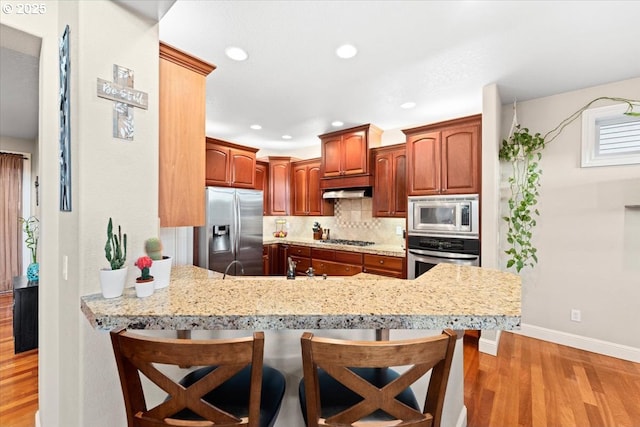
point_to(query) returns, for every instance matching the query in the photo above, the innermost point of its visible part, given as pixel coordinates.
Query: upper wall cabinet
(182, 138)
(262, 183)
(444, 158)
(390, 189)
(230, 165)
(279, 185)
(346, 160)
(307, 196)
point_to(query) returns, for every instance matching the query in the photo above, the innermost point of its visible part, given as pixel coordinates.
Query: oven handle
(447, 255)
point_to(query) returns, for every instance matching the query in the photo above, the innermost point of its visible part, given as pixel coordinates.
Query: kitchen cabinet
(229, 164)
(182, 89)
(444, 158)
(335, 262)
(270, 260)
(25, 314)
(346, 159)
(279, 185)
(262, 183)
(385, 265)
(390, 185)
(306, 194)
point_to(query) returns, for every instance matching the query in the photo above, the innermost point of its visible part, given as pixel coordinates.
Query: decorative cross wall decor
(126, 98)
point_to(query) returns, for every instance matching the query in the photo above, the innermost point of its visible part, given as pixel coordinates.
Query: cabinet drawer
(382, 262)
(301, 251)
(302, 264)
(325, 254)
(331, 268)
(348, 257)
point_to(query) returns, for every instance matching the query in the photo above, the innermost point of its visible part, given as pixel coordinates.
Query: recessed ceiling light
(337, 123)
(236, 53)
(346, 51)
(255, 127)
(408, 105)
(286, 137)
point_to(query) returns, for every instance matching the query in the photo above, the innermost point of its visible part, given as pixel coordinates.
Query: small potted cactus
(161, 268)
(145, 283)
(112, 279)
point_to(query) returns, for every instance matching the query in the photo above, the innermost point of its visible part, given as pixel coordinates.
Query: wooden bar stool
(352, 381)
(233, 389)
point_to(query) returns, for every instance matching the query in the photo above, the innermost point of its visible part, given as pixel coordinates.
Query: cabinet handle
(381, 261)
(347, 268)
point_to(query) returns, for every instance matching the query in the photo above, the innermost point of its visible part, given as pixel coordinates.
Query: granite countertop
(447, 296)
(377, 249)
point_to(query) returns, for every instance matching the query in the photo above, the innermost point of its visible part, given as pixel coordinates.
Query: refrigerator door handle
(236, 205)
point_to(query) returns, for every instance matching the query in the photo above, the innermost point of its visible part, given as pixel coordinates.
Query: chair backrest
(337, 356)
(137, 354)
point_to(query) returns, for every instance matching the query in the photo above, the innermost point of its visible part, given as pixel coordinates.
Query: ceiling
(438, 54)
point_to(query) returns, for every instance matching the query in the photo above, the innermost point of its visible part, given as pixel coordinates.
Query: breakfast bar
(199, 300)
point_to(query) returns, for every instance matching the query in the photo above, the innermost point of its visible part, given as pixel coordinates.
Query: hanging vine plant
(524, 152)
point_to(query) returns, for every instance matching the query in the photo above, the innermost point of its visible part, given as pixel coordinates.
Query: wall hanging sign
(126, 99)
(65, 127)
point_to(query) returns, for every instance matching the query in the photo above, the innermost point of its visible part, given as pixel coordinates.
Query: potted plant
(115, 250)
(161, 267)
(30, 227)
(145, 283)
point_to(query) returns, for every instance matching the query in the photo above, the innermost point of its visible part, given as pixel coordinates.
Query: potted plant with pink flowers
(144, 283)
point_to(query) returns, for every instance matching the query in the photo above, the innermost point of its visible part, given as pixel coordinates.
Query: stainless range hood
(347, 193)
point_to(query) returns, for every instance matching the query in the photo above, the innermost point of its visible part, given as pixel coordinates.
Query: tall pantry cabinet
(182, 138)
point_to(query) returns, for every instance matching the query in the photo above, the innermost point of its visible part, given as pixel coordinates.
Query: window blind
(621, 136)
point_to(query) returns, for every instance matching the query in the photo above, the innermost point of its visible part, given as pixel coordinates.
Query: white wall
(588, 244)
(78, 382)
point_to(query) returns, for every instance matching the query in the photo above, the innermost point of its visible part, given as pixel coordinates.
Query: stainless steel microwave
(448, 216)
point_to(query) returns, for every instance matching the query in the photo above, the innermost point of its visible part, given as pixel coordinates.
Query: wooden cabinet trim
(185, 60)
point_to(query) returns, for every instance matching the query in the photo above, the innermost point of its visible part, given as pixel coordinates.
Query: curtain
(10, 228)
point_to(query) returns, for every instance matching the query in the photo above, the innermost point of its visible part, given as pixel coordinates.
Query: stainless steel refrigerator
(232, 232)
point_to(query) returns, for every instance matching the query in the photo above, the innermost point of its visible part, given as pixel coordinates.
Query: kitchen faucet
(226, 270)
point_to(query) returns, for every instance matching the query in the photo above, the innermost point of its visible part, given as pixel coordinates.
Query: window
(609, 137)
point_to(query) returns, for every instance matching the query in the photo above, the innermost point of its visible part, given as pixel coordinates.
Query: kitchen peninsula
(447, 296)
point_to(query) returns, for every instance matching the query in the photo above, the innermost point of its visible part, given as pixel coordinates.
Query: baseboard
(489, 346)
(606, 348)
(462, 419)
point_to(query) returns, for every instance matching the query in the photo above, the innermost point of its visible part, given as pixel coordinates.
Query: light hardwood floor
(530, 383)
(18, 374)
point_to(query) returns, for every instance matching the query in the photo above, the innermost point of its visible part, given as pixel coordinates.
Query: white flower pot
(112, 282)
(161, 272)
(145, 289)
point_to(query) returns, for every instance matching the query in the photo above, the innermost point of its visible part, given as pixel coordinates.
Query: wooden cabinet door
(390, 188)
(242, 166)
(300, 199)
(460, 160)
(279, 183)
(217, 160)
(399, 200)
(354, 152)
(317, 205)
(424, 164)
(383, 187)
(262, 183)
(332, 155)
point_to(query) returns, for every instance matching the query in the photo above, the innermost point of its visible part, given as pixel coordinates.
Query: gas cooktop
(348, 242)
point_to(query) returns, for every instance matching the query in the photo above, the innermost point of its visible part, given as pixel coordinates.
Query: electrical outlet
(576, 316)
(398, 231)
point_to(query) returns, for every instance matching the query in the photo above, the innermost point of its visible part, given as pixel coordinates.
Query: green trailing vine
(524, 152)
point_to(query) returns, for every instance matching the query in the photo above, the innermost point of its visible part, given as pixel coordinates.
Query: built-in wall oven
(442, 229)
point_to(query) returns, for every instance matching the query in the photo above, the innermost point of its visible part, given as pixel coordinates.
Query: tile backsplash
(352, 220)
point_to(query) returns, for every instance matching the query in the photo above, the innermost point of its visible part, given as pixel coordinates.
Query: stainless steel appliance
(446, 216)
(232, 232)
(442, 229)
(425, 252)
